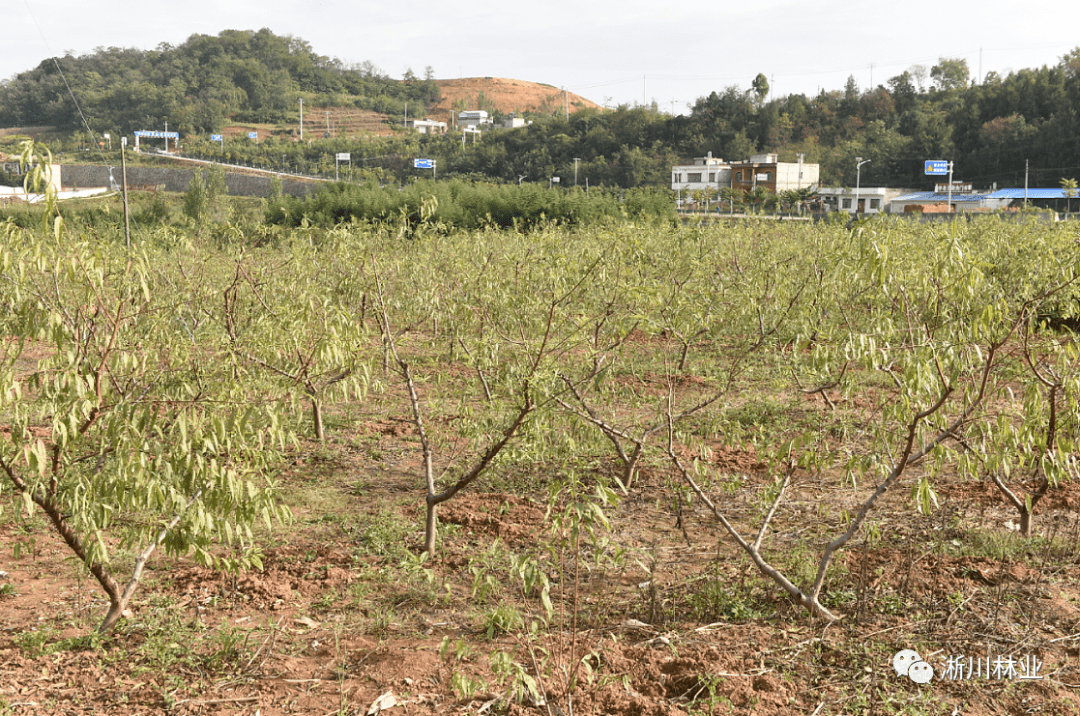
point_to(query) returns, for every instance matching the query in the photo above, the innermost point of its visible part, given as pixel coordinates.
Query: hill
(498, 94)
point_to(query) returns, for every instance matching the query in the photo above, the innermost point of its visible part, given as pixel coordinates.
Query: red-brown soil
(344, 612)
(506, 96)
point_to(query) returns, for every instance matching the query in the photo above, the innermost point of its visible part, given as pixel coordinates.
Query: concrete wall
(788, 175)
(177, 180)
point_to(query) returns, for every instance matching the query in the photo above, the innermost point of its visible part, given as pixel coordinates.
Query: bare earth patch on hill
(505, 95)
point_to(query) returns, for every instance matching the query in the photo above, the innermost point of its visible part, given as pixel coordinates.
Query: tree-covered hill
(201, 84)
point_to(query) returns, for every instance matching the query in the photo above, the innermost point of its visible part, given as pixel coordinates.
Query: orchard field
(621, 469)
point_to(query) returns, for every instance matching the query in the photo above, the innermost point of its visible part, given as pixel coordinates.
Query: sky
(626, 52)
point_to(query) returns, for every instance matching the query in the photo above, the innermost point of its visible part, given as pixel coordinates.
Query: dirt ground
(346, 618)
(506, 94)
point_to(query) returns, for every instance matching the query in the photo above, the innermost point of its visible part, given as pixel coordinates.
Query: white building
(871, 200)
(766, 170)
(760, 170)
(706, 172)
(473, 118)
(512, 121)
(426, 126)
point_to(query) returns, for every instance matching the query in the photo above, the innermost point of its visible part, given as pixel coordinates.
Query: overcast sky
(623, 52)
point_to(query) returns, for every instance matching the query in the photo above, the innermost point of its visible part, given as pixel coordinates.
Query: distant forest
(201, 85)
(991, 128)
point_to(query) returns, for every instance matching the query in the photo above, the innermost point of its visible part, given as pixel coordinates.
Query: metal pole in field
(950, 186)
(301, 119)
(123, 174)
(858, 176)
(1026, 163)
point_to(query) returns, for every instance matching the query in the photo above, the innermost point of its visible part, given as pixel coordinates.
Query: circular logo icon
(920, 672)
(903, 661)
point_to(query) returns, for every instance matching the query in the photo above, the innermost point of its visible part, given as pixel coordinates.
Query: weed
(326, 602)
(382, 534)
(462, 650)
(35, 643)
(25, 546)
(358, 593)
(420, 579)
(1005, 546)
(465, 687)
(891, 603)
(705, 695)
(503, 619)
(715, 600)
(381, 623)
(517, 681)
(227, 646)
(756, 413)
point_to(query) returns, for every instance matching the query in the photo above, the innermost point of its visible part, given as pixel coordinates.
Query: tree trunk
(1025, 521)
(116, 610)
(630, 469)
(316, 419)
(431, 525)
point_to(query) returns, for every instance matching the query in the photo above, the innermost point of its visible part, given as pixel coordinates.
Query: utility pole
(301, 119)
(576, 160)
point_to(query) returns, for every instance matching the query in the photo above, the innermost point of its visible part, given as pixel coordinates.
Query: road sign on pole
(420, 163)
(936, 166)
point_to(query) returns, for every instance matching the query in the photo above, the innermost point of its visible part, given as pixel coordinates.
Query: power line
(71, 93)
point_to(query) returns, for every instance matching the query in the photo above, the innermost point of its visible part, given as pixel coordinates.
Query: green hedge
(467, 205)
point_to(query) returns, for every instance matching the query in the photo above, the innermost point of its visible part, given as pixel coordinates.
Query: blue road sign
(423, 163)
(215, 137)
(253, 135)
(937, 166)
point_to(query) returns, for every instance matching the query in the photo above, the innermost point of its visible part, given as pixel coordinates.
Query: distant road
(236, 168)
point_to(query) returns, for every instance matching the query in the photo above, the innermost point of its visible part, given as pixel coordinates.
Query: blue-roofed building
(1029, 194)
(1053, 199)
(937, 202)
(990, 200)
(932, 201)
